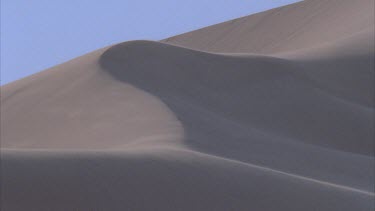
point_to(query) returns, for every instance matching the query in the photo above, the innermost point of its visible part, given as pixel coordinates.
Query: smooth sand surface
(296, 26)
(274, 111)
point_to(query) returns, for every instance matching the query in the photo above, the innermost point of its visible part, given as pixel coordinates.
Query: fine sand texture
(273, 111)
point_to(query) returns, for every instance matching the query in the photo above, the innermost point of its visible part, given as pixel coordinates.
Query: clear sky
(39, 34)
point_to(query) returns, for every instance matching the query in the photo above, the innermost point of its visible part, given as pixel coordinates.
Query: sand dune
(272, 111)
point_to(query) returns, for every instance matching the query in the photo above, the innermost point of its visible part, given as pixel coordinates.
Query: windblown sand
(273, 111)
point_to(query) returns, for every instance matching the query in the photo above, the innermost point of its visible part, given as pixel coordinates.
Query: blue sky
(39, 34)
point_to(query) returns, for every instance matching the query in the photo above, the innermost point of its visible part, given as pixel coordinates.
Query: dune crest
(77, 106)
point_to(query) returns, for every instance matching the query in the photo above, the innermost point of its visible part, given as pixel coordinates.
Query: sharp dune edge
(274, 111)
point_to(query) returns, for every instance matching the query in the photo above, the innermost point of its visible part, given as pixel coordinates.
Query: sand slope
(146, 125)
(296, 26)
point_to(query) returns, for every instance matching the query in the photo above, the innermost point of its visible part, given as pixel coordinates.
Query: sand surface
(273, 111)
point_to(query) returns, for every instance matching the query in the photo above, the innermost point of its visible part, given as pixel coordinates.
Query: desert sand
(273, 111)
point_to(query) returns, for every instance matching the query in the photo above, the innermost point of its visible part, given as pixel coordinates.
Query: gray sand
(274, 111)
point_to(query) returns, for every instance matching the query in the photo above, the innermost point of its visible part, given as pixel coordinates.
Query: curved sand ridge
(78, 106)
(270, 94)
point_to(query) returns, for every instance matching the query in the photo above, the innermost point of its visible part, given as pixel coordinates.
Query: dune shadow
(252, 108)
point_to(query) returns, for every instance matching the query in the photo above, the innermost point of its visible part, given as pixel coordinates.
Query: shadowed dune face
(256, 109)
(266, 94)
